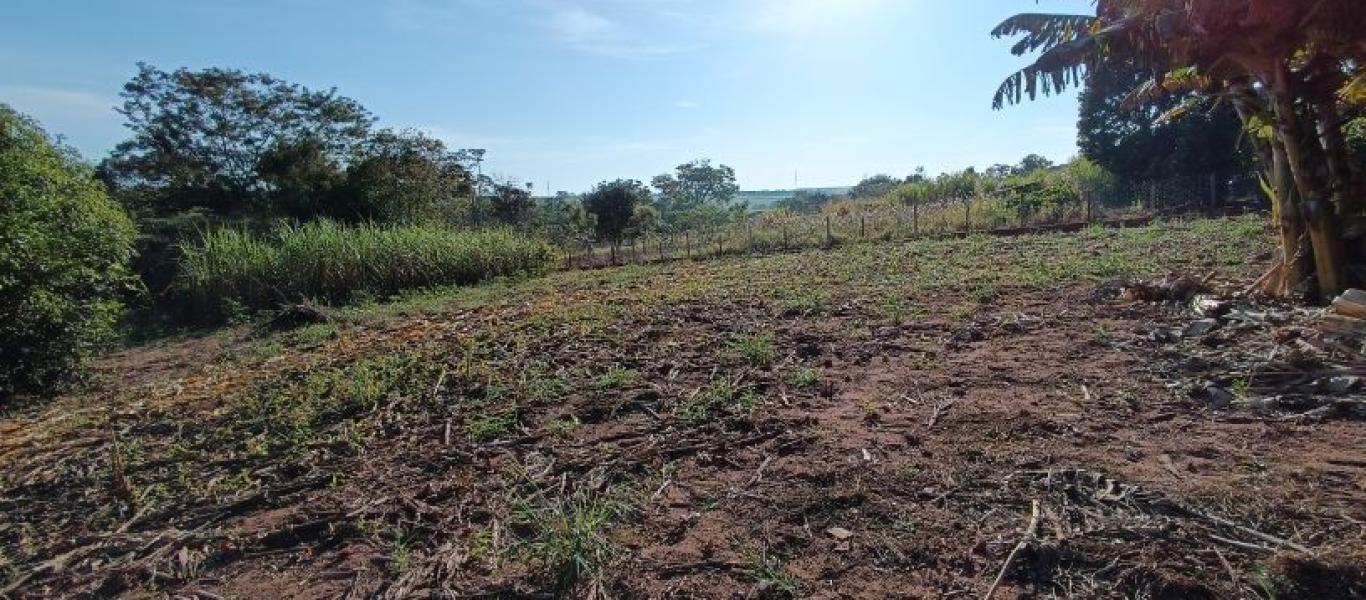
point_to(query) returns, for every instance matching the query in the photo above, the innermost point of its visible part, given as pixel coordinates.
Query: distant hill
(761, 200)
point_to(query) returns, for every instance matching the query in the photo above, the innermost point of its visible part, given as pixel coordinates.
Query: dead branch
(1024, 542)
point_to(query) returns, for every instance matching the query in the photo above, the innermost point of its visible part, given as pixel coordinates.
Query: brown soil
(908, 471)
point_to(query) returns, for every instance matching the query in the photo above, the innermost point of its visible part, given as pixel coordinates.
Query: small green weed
(769, 572)
(569, 537)
(758, 349)
(616, 378)
(805, 378)
(492, 426)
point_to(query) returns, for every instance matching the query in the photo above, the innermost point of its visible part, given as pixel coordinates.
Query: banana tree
(1288, 66)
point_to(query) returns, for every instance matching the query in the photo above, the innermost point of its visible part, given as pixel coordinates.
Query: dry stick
(1257, 534)
(1024, 541)
(939, 410)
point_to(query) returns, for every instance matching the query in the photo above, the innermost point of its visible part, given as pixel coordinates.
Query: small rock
(1217, 397)
(1163, 335)
(840, 533)
(1339, 385)
(1200, 328)
(1210, 306)
(888, 333)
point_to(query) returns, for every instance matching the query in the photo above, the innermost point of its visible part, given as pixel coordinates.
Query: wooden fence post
(862, 227)
(687, 243)
(829, 237)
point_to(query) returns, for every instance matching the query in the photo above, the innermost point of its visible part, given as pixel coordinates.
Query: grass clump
(757, 349)
(616, 378)
(569, 537)
(769, 572)
(338, 263)
(492, 426)
(805, 378)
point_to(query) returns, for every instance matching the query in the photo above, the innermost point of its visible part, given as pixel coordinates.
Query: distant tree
(693, 185)
(998, 171)
(644, 221)
(1032, 162)
(959, 187)
(612, 205)
(402, 176)
(804, 202)
(512, 204)
(202, 138)
(876, 186)
(64, 251)
(916, 194)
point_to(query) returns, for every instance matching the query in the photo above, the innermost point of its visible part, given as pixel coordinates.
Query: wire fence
(1121, 203)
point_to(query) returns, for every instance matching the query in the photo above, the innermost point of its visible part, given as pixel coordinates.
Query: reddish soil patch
(909, 470)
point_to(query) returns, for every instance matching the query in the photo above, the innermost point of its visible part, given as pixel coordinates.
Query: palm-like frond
(1055, 70)
(1069, 42)
(1043, 30)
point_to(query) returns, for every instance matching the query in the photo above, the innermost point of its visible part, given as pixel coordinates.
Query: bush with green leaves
(64, 250)
(332, 262)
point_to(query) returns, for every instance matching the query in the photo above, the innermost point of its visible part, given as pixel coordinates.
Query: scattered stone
(1339, 385)
(1210, 306)
(1173, 288)
(1216, 397)
(1200, 328)
(840, 533)
(1352, 303)
(888, 333)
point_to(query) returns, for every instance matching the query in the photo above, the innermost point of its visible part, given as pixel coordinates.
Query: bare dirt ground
(873, 421)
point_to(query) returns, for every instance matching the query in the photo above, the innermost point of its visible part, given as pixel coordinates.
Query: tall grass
(332, 262)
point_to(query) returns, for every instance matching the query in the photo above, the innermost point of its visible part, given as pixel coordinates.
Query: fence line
(761, 235)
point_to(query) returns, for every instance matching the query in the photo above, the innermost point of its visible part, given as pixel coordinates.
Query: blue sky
(570, 92)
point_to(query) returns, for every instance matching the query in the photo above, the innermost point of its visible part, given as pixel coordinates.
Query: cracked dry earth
(874, 421)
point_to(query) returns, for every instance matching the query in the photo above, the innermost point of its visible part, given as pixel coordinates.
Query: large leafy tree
(612, 205)
(1295, 71)
(1135, 143)
(208, 138)
(402, 176)
(693, 185)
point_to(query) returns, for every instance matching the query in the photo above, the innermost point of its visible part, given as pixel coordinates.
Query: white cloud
(686, 104)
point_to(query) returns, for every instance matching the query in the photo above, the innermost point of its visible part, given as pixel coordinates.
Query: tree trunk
(1346, 194)
(1318, 211)
(1285, 211)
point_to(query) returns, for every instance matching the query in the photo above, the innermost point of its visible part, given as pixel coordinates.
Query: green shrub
(64, 250)
(327, 261)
